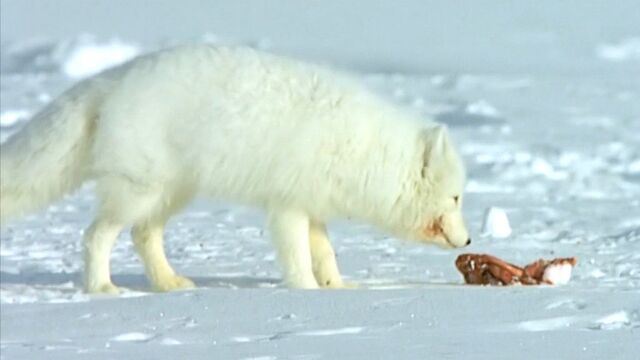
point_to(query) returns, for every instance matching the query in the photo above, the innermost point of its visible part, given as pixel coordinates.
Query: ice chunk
(496, 223)
(132, 336)
(613, 321)
(12, 117)
(330, 332)
(170, 341)
(482, 108)
(547, 324)
(89, 59)
(625, 50)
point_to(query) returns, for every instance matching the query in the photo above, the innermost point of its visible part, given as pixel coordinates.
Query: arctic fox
(305, 143)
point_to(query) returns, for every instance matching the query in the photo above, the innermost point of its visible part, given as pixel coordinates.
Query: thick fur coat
(305, 143)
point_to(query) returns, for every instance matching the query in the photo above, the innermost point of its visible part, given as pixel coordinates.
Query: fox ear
(435, 142)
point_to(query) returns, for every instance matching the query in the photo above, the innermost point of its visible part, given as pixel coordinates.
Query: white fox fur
(305, 143)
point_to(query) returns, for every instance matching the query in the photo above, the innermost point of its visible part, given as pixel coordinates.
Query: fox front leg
(325, 267)
(290, 233)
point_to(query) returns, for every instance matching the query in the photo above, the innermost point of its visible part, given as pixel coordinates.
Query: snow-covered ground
(545, 110)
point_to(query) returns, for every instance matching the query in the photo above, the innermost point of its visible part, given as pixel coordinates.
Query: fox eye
(456, 198)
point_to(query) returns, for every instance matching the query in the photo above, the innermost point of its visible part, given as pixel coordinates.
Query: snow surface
(546, 116)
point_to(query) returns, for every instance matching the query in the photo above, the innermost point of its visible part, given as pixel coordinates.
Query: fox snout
(448, 230)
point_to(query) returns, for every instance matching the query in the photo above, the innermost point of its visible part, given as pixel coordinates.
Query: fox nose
(468, 242)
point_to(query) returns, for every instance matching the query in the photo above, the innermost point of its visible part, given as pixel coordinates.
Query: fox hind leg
(124, 202)
(98, 241)
(148, 240)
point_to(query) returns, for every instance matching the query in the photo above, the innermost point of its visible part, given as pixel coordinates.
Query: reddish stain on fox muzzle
(433, 228)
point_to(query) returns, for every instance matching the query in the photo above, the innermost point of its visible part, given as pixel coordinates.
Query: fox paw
(175, 282)
(348, 285)
(108, 289)
(302, 284)
(337, 284)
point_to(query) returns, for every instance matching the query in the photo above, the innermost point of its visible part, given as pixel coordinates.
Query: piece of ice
(597, 273)
(625, 50)
(496, 223)
(12, 117)
(132, 336)
(558, 274)
(546, 324)
(90, 59)
(170, 341)
(482, 108)
(330, 332)
(613, 321)
(241, 339)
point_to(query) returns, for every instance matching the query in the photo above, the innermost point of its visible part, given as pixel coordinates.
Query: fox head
(431, 209)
